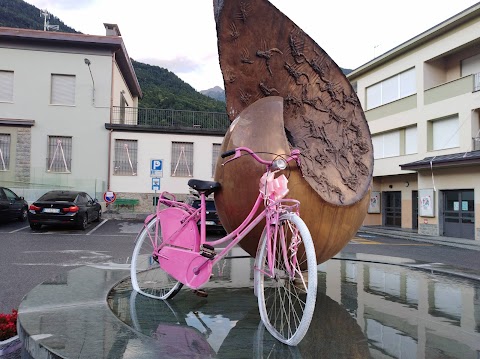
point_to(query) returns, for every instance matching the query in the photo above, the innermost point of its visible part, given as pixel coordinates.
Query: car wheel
(24, 215)
(84, 223)
(35, 226)
(99, 217)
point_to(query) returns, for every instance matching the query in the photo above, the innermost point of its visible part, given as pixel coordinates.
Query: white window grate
(4, 151)
(182, 159)
(125, 157)
(59, 154)
(215, 154)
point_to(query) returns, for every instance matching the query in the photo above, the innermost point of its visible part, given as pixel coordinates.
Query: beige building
(421, 101)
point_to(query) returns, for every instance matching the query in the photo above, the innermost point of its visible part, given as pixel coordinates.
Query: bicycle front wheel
(287, 295)
(147, 276)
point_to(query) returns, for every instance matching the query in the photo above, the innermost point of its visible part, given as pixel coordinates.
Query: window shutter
(445, 133)
(63, 90)
(6, 86)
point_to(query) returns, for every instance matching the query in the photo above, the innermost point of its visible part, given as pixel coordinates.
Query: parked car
(12, 206)
(64, 208)
(212, 220)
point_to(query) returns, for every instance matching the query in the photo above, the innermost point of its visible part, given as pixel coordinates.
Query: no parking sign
(109, 197)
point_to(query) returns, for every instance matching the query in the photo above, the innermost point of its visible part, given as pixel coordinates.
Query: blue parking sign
(156, 168)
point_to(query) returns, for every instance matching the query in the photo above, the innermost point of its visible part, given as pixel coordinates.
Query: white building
(56, 94)
(69, 118)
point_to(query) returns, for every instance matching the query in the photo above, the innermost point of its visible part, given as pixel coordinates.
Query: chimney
(112, 30)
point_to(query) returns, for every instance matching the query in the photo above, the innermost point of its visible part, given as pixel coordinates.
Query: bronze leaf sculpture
(283, 91)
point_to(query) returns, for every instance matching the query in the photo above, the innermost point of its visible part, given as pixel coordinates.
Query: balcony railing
(174, 119)
(476, 144)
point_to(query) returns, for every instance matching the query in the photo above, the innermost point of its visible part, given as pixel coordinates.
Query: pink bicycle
(170, 250)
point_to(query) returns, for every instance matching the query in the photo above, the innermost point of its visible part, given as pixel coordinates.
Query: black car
(212, 220)
(64, 208)
(12, 206)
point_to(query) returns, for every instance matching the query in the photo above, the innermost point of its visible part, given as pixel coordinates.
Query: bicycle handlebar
(294, 155)
(228, 153)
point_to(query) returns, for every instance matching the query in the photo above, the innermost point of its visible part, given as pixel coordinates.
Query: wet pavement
(368, 306)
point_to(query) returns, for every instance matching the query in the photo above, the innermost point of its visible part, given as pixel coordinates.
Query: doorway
(459, 214)
(414, 209)
(392, 209)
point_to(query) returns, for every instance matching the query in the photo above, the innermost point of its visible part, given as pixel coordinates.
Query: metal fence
(170, 118)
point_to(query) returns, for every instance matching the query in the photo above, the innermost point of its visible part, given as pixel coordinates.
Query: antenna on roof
(46, 24)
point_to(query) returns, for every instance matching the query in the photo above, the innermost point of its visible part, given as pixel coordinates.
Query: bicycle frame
(271, 213)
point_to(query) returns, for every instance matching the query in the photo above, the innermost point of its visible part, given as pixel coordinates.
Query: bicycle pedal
(200, 293)
(207, 251)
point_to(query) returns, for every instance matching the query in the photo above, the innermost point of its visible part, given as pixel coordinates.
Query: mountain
(19, 14)
(215, 92)
(161, 88)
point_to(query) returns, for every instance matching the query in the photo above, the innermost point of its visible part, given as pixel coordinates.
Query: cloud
(62, 4)
(180, 64)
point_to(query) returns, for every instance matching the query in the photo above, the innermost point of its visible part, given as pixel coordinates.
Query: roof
(451, 160)
(453, 22)
(112, 43)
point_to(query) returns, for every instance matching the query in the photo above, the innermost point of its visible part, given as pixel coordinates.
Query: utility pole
(46, 24)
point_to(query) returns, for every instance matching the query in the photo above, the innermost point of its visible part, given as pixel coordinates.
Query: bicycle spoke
(287, 296)
(147, 276)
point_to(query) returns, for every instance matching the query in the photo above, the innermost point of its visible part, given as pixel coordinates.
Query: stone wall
(428, 229)
(23, 149)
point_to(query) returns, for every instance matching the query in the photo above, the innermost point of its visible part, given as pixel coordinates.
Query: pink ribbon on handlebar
(274, 186)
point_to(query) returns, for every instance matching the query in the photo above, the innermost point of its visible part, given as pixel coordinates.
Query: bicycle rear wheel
(147, 276)
(287, 303)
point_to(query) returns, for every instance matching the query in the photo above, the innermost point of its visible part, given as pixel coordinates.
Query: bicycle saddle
(207, 187)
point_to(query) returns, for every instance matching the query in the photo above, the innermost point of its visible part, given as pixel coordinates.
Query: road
(28, 258)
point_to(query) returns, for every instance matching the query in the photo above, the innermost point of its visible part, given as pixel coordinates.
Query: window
(471, 65)
(182, 159)
(59, 154)
(391, 89)
(4, 151)
(395, 143)
(411, 140)
(123, 104)
(6, 86)
(125, 157)
(386, 144)
(444, 133)
(10, 195)
(63, 90)
(215, 154)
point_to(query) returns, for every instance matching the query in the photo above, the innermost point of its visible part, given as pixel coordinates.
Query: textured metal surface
(263, 53)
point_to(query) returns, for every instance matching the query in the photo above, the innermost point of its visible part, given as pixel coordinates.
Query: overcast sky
(180, 35)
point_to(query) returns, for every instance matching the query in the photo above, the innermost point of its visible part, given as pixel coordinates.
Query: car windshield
(61, 197)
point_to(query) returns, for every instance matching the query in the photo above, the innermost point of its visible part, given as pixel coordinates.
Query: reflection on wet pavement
(130, 227)
(363, 310)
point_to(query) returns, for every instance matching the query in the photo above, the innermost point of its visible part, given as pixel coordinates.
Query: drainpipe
(111, 118)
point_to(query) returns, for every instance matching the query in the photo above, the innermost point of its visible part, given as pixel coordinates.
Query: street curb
(444, 241)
